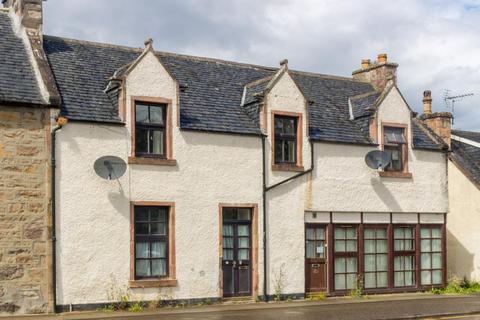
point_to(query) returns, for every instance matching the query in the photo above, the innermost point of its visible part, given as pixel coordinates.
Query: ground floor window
(376, 257)
(431, 255)
(346, 261)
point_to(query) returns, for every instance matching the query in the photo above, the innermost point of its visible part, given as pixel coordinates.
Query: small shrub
(279, 283)
(358, 291)
(316, 297)
(135, 307)
(458, 286)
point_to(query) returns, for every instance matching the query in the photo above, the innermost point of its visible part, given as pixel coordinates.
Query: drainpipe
(265, 190)
(61, 121)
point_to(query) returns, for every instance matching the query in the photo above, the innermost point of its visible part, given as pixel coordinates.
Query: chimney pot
(284, 62)
(382, 58)
(427, 102)
(365, 63)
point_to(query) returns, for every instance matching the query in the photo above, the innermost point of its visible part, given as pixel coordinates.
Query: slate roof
(471, 135)
(17, 78)
(467, 156)
(211, 91)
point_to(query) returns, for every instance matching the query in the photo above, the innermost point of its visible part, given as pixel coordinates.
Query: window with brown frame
(285, 145)
(151, 242)
(375, 257)
(395, 144)
(345, 257)
(150, 130)
(431, 255)
(404, 256)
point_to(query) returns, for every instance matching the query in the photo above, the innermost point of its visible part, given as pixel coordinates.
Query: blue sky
(436, 43)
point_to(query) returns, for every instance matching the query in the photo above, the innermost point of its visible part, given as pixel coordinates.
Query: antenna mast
(450, 100)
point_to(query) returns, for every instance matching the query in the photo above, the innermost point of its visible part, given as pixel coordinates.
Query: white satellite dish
(377, 159)
(110, 167)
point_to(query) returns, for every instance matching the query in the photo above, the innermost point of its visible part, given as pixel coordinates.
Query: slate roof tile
(468, 157)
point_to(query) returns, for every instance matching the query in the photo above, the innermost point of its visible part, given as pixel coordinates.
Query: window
(376, 257)
(404, 256)
(395, 145)
(345, 247)
(285, 144)
(315, 242)
(431, 255)
(150, 130)
(151, 241)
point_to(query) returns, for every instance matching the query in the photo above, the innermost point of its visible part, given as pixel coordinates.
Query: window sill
(395, 174)
(153, 283)
(287, 167)
(152, 161)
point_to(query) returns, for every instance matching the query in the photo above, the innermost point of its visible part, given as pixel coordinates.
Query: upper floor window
(395, 144)
(150, 130)
(286, 139)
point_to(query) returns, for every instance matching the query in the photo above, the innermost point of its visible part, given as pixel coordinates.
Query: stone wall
(24, 210)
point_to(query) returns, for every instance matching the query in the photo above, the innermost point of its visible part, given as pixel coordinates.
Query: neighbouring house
(28, 103)
(464, 197)
(241, 180)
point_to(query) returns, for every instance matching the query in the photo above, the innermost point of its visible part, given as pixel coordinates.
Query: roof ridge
(96, 43)
(364, 95)
(327, 76)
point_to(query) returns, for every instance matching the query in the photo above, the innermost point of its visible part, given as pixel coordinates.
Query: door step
(238, 300)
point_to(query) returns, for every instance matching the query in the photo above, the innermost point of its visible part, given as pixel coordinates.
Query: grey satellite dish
(377, 159)
(110, 167)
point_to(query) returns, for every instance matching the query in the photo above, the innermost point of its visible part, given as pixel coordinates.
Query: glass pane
(279, 151)
(351, 246)
(289, 126)
(398, 279)
(381, 233)
(409, 245)
(369, 233)
(243, 214)
(382, 246)
(290, 151)
(409, 278)
(339, 246)
(425, 245)
(369, 263)
(229, 214)
(141, 214)
(141, 250)
(278, 125)
(159, 250)
(398, 233)
(351, 281)
(157, 214)
(320, 234)
(227, 230)
(351, 264)
(437, 277)
(340, 265)
(243, 242)
(243, 254)
(310, 249)
(141, 140)
(436, 233)
(370, 280)
(382, 280)
(409, 263)
(369, 246)
(408, 233)
(157, 141)
(320, 249)
(227, 254)
(339, 233)
(351, 233)
(340, 282)
(142, 268)
(159, 267)
(436, 245)
(158, 228)
(425, 233)
(426, 260)
(399, 245)
(382, 262)
(141, 113)
(156, 114)
(310, 235)
(141, 228)
(398, 263)
(436, 261)
(243, 230)
(425, 276)
(227, 242)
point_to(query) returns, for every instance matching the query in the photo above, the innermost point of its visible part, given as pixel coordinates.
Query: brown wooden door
(236, 257)
(315, 258)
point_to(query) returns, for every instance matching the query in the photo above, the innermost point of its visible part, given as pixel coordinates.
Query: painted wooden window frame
(170, 280)
(404, 173)
(346, 254)
(298, 165)
(167, 160)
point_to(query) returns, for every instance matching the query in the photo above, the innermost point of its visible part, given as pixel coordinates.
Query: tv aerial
(377, 159)
(450, 100)
(110, 167)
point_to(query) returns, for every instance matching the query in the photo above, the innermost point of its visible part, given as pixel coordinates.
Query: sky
(436, 43)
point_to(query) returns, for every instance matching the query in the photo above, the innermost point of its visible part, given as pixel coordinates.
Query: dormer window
(150, 129)
(395, 144)
(286, 139)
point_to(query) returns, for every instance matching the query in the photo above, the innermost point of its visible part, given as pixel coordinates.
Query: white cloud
(436, 43)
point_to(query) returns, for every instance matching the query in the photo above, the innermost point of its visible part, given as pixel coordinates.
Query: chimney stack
(439, 122)
(30, 14)
(378, 73)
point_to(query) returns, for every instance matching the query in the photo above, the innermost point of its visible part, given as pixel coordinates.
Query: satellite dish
(110, 167)
(377, 159)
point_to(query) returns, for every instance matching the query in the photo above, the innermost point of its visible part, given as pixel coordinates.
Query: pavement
(384, 307)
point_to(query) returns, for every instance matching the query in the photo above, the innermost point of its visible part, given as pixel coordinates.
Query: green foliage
(135, 307)
(458, 286)
(358, 291)
(316, 296)
(279, 283)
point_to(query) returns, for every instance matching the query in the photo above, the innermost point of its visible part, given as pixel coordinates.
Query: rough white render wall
(463, 227)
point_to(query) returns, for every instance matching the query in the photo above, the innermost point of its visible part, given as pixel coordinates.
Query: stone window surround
(299, 164)
(397, 174)
(171, 280)
(168, 161)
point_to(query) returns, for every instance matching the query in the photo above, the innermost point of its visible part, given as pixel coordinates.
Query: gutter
(264, 195)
